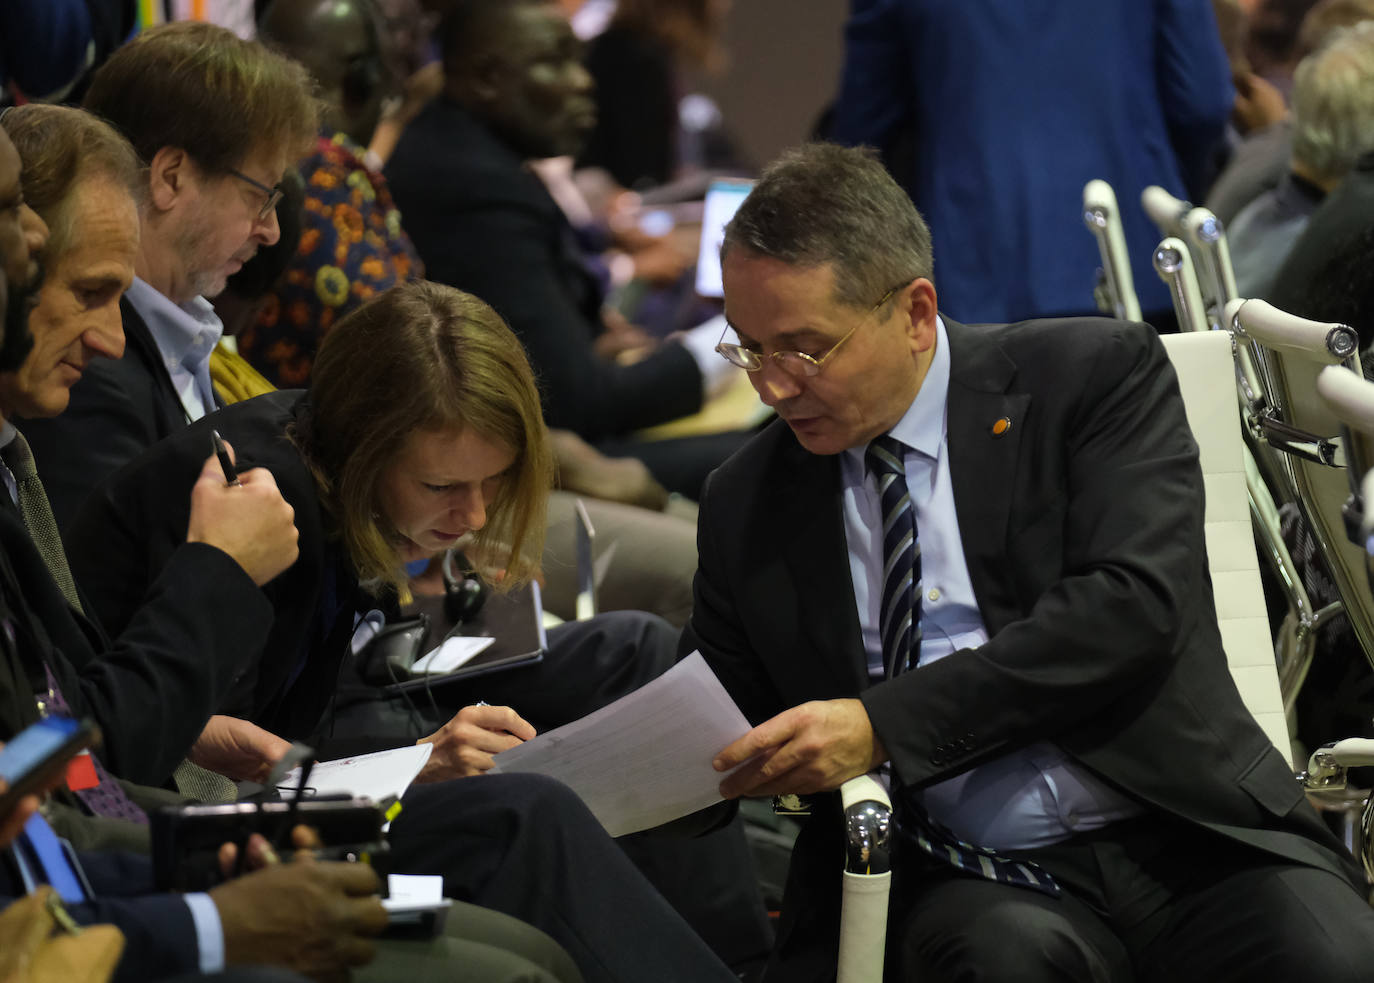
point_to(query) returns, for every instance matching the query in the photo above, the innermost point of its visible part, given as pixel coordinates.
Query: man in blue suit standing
(993, 116)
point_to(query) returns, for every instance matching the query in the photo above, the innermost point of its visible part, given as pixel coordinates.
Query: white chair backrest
(1206, 376)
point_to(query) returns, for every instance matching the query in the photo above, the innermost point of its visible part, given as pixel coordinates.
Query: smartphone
(34, 757)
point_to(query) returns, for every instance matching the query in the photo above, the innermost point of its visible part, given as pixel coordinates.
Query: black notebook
(513, 621)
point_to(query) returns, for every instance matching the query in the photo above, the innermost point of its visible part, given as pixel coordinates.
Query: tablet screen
(722, 200)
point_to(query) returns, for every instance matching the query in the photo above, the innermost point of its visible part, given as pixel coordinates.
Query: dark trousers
(709, 879)
(527, 846)
(1149, 900)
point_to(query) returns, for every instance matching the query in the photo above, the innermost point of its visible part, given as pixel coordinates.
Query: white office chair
(1174, 261)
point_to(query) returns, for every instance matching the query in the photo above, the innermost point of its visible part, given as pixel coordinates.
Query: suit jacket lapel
(980, 459)
(810, 521)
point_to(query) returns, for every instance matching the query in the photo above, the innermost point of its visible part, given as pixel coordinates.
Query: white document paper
(409, 892)
(375, 776)
(413, 897)
(455, 651)
(645, 759)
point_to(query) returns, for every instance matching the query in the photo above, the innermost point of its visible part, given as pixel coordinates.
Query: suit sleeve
(198, 629)
(1194, 86)
(159, 935)
(874, 78)
(505, 255)
(1109, 623)
(715, 628)
(187, 622)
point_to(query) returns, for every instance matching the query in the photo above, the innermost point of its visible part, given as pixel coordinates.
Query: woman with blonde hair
(422, 427)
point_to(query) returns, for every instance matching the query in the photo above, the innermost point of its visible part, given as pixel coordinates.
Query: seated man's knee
(1001, 943)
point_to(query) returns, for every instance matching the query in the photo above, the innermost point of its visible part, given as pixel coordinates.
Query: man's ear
(921, 307)
(169, 177)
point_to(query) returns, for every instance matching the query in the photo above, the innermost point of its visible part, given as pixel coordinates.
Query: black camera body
(187, 839)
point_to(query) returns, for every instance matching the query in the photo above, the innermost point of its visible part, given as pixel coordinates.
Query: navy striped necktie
(899, 623)
(899, 618)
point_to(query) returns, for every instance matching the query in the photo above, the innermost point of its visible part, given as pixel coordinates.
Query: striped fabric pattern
(899, 623)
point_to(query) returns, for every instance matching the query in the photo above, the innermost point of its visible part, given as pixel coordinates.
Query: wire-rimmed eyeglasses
(795, 363)
(273, 194)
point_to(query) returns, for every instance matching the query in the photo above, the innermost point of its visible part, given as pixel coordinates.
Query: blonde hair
(423, 356)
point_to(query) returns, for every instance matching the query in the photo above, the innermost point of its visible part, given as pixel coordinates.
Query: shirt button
(934, 594)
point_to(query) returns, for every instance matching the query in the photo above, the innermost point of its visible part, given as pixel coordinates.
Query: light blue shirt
(209, 931)
(1031, 797)
(185, 335)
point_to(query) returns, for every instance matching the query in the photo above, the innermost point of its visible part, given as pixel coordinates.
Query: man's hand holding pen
(465, 745)
(245, 516)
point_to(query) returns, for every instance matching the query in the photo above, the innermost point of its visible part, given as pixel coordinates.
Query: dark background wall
(784, 64)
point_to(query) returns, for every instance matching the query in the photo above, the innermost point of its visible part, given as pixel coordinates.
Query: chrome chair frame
(1115, 288)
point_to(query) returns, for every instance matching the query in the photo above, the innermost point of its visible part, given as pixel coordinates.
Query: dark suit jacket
(159, 933)
(151, 689)
(118, 408)
(1082, 529)
(129, 529)
(484, 223)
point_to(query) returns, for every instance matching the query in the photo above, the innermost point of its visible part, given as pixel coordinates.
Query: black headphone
(464, 589)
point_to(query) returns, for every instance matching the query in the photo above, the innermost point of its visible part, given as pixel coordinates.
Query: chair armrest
(1348, 396)
(867, 825)
(1319, 341)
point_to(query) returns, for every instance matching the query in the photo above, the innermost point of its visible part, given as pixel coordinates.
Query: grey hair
(1333, 103)
(822, 204)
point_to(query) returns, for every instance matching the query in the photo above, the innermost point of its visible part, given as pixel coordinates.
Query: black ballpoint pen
(231, 475)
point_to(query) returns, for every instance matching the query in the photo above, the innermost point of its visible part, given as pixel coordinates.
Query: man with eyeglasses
(217, 120)
(971, 558)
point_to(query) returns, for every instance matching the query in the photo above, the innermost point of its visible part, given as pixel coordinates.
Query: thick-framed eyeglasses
(273, 194)
(798, 364)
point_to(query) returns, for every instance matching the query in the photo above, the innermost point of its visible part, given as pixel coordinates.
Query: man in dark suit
(231, 116)
(974, 555)
(84, 177)
(515, 90)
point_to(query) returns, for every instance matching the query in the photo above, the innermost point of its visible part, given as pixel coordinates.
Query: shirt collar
(186, 333)
(7, 434)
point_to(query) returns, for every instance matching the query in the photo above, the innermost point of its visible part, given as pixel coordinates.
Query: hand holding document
(645, 759)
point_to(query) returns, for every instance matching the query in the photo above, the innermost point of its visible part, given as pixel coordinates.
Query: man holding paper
(974, 555)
